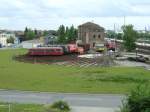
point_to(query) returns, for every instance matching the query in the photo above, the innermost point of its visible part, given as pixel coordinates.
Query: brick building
(91, 33)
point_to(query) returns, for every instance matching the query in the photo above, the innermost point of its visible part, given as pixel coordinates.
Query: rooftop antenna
(145, 29)
(114, 27)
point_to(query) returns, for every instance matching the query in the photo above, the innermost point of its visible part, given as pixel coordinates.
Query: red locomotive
(54, 51)
(72, 48)
(111, 45)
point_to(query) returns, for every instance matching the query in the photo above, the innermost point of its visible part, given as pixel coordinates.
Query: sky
(49, 14)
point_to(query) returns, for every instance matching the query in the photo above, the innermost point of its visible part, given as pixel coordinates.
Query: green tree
(67, 33)
(10, 40)
(138, 100)
(119, 36)
(72, 34)
(111, 34)
(25, 33)
(59, 106)
(35, 31)
(29, 34)
(45, 33)
(26, 30)
(61, 34)
(75, 34)
(145, 35)
(129, 37)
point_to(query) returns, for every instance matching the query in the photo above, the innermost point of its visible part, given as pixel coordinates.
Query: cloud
(17, 14)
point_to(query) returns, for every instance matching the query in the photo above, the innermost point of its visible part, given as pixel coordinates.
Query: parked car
(99, 47)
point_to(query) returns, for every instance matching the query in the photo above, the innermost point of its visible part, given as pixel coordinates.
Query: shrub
(138, 100)
(59, 106)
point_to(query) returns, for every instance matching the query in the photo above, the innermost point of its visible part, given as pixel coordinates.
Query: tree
(71, 33)
(29, 34)
(35, 31)
(59, 106)
(119, 36)
(10, 40)
(111, 34)
(61, 34)
(26, 30)
(145, 35)
(138, 100)
(66, 34)
(45, 33)
(129, 37)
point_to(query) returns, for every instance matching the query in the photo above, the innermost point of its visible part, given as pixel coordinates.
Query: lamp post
(136, 50)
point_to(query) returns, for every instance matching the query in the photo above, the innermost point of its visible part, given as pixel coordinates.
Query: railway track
(66, 60)
(142, 48)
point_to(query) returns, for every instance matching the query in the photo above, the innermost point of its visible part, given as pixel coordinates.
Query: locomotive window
(39, 50)
(36, 50)
(50, 50)
(58, 50)
(47, 50)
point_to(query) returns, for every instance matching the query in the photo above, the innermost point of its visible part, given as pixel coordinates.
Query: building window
(85, 34)
(94, 36)
(99, 36)
(94, 44)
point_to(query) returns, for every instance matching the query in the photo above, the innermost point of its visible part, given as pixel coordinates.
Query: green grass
(4, 107)
(52, 78)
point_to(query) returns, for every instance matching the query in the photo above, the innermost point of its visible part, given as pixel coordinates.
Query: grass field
(52, 78)
(4, 107)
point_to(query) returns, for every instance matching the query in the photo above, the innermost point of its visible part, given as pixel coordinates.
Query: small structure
(31, 44)
(50, 39)
(20, 36)
(91, 33)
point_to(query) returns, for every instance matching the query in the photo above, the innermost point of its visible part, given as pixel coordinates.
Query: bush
(138, 100)
(59, 106)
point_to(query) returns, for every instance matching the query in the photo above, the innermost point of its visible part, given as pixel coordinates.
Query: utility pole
(124, 20)
(9, 108)
(115, 39)
(145, 29)
(114, 27)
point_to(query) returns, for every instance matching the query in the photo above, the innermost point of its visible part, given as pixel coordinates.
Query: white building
(31, 44)
(4, 36)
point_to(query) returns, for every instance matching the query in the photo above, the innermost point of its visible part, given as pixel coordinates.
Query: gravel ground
(133, 64)
(73, 60)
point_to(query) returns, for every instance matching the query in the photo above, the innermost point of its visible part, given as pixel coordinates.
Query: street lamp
(136, 50)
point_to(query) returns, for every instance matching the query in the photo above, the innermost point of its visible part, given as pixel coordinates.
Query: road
(79, 102)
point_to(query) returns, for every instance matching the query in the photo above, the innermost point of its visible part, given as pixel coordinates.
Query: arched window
(99, 36)
(94, 36)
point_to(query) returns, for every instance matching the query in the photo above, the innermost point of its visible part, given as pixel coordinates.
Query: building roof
(91, 24)
(32, 41)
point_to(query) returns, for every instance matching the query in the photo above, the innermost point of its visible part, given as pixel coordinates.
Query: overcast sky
(49, 14)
